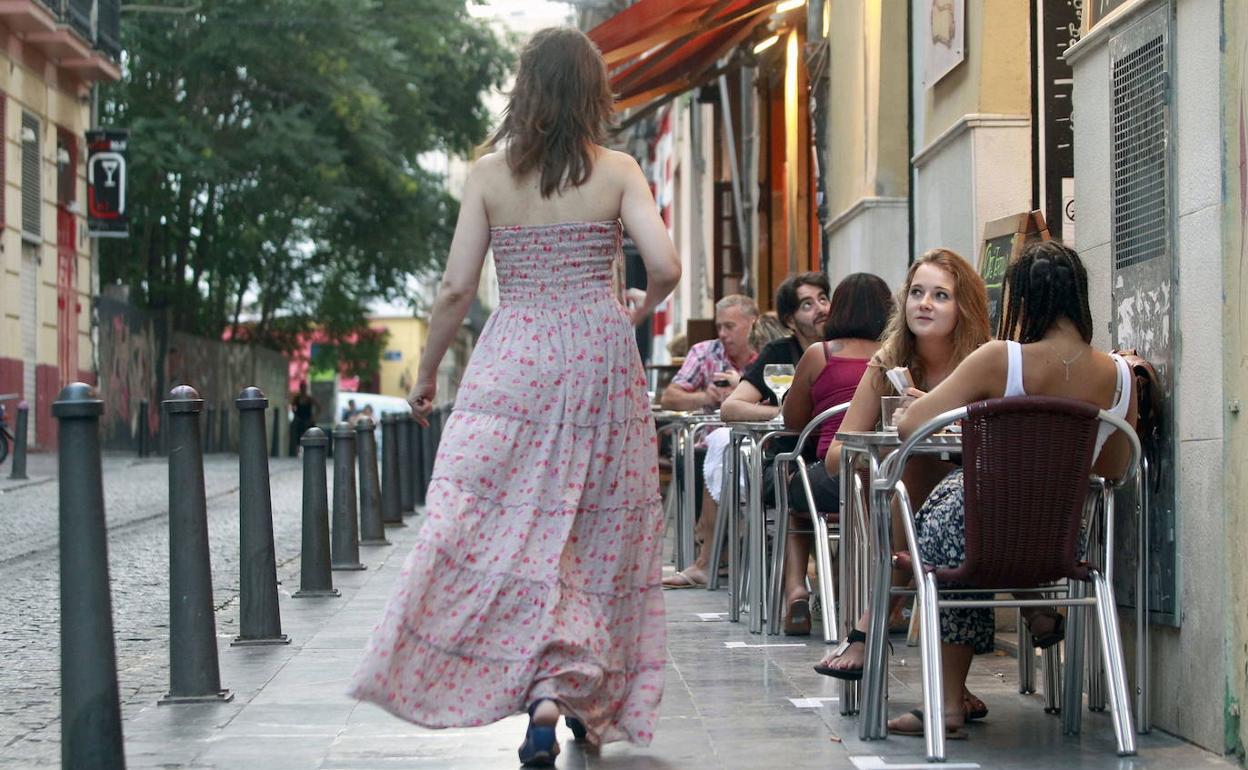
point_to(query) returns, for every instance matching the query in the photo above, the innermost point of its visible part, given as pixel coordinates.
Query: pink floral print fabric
(536, 572)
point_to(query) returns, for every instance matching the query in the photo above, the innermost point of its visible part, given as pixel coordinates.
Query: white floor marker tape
(878, 763)
(740, 645)
(810, 703)
(711, 616)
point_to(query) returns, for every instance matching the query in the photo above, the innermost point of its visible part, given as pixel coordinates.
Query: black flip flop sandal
(851, 674)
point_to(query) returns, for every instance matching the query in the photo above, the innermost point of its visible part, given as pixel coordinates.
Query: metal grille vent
(32, 180)
(1139, 160)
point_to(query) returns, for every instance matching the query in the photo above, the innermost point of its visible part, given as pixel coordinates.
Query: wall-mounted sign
(1003, 243)
(106, 183)
(946, 43)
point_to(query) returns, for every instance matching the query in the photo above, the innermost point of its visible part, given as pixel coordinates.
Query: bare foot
(845, 657)
(692, 576)
(546, 714)
(911, 723)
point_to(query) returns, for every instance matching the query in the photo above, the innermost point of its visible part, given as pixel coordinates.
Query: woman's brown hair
(558, 109)
(898, 344)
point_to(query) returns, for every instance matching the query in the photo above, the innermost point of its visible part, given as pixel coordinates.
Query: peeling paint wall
(1235, 358)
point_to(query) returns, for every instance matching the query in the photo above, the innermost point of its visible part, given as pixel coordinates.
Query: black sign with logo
(106, 183)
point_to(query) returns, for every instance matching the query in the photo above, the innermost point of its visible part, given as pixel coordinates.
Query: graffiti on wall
(130, 365)
(138, 361)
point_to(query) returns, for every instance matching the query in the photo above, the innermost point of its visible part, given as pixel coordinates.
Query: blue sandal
(579, 731)
(540, 747)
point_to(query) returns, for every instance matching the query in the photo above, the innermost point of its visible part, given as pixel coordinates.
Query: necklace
(1067, 364)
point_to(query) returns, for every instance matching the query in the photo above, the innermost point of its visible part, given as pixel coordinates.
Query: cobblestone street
(137, 503)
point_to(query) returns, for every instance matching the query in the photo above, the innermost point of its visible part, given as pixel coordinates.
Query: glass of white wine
(779, 377)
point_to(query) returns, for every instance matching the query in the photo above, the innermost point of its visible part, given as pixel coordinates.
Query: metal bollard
(345, 536)
(418, 464)
(275, 443)
(223, 436)
(90, 706)
(18, 471)
(315, 578)
(403, 452)
(260, 619)
(209, 410)
(391, 515)
(194, 672)
(144, 429)
(372, 531)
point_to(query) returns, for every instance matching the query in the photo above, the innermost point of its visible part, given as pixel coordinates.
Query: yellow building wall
(26, 90)
(402, 352)
(994, 78)
(867, 93)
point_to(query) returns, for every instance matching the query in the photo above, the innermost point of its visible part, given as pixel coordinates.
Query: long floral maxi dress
(536, 571)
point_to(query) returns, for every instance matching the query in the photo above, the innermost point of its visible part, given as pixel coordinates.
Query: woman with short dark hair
(827, 375)
(534, 582)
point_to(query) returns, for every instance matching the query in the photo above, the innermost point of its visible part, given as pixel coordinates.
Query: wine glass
(779, 377)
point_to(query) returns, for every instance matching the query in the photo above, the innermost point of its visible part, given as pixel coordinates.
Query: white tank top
(1122, 395)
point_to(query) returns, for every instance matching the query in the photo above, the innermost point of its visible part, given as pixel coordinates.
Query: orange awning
(660, 47)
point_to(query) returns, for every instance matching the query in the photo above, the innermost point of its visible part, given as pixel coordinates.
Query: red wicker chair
(1027, 463)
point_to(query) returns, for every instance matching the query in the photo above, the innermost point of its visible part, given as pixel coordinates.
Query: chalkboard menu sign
(1004, 240)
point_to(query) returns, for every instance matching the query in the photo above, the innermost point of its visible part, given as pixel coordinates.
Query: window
(32, 180)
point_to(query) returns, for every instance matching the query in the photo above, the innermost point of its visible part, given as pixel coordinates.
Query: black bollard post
(260, 620)
(345, 537)
(275, 444)
(372, 531)
(223, 436)
(315, 578)
(90, 706)
(403, 453)
(194, 672)
(144, 429)
(208, 424)
(418, 464)
(18, 471)
(391, 514)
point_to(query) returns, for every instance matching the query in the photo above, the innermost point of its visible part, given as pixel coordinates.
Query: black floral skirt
(941, 530)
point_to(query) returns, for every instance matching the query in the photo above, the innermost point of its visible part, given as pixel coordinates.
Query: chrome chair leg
(727, 507)
(1026, 658)
(933, 684)
(778, 548)
(827, 587)
(730, 513)
(1115, 666)
(1072, 681)
(1096, 671)
(1052, 680)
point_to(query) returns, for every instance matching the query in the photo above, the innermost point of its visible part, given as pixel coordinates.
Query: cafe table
(865, 568)
(685, 428)
(747, 448)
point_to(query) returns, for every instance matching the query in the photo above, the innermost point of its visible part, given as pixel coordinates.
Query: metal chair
(1026, 463)
(822, 521)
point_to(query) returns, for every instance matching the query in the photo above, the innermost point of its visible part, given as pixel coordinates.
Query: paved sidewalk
(733, 700)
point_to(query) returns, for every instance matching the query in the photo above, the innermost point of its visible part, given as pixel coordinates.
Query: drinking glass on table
(889, 406)
(778, 377)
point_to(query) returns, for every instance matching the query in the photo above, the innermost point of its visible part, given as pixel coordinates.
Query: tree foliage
(274, 155)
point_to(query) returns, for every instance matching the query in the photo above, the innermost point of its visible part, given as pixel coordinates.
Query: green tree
(274, 157)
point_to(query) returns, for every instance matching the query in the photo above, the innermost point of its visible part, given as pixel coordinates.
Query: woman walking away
(534, 583)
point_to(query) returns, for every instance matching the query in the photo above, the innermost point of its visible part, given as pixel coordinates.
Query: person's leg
(796, 555)
(698, 572)
(955, 664)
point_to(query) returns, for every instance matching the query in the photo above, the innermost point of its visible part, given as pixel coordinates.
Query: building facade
(51, 53)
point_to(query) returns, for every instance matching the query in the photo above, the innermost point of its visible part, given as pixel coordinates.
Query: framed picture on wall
(946, 43)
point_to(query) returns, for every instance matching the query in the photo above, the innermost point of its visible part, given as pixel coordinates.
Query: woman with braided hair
(1045, 350)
